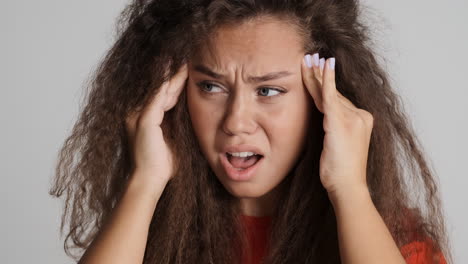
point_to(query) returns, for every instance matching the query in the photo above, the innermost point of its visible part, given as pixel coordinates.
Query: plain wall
(49, 48)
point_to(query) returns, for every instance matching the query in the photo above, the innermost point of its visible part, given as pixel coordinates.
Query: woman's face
(233, 108)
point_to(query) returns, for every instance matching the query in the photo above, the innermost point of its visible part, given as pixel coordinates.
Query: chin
(248, 189)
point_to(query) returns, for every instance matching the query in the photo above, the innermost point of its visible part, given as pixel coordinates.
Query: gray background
(49, 48)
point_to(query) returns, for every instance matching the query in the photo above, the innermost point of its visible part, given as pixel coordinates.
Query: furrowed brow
(253, 79)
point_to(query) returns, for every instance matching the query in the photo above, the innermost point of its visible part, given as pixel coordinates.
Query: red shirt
(258, 228)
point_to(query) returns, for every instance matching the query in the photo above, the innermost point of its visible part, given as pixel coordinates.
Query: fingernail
(322, 63)
(316, 59)
(332, 63)
(308, 60)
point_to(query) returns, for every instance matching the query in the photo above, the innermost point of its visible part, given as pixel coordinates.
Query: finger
(316, 68)
(346, 101)
(322, 64)
(154, 111)
(310, 82)
(177, 84)
(177, 80)
(342, 98)
(164, 100)
(329, 92)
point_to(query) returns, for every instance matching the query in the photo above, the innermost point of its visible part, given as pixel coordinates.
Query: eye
(203, 86)
(208, 87)
(265, 91)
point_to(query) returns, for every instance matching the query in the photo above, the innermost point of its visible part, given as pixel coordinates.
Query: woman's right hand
(150, 153)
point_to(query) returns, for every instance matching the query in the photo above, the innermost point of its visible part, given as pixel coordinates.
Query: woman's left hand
(343, 162)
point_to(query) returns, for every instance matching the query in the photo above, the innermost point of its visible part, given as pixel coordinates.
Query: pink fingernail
(332, 63)
(315, 58)
(308, 60)
(322, 63)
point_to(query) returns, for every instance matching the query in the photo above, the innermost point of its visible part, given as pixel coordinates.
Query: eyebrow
(255, 79)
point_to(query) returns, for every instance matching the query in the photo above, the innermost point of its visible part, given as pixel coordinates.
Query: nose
(239, 117)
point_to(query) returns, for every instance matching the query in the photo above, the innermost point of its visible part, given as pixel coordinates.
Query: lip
(239, 175)
(242, 148)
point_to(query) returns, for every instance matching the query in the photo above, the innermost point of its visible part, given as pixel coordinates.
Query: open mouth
(242, 163)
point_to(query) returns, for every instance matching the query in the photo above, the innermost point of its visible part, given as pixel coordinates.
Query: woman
(241, 131)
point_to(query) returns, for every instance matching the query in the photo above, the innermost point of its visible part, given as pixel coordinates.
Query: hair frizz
(196, 219)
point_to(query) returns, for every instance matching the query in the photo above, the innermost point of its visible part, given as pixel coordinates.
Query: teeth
(241, 154)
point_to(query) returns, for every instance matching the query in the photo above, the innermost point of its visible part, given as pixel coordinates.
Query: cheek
(202, 118)
(286, 127)
(196, 110)
(290, 115)
(204, 108)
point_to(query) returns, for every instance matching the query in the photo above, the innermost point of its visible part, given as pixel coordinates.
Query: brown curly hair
(196, 219)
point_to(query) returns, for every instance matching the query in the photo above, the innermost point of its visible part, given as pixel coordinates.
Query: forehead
(259, 42)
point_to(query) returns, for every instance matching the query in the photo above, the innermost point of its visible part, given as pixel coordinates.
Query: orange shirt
(258, 228)
(417, 252)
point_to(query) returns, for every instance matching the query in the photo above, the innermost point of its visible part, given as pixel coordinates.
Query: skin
(234, 111)
(238, 115)
(235, 114)
(363, 236)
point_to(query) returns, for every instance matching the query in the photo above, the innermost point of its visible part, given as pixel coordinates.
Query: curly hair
(196, 219)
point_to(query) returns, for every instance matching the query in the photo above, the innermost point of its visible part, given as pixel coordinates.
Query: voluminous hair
(196, 220)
